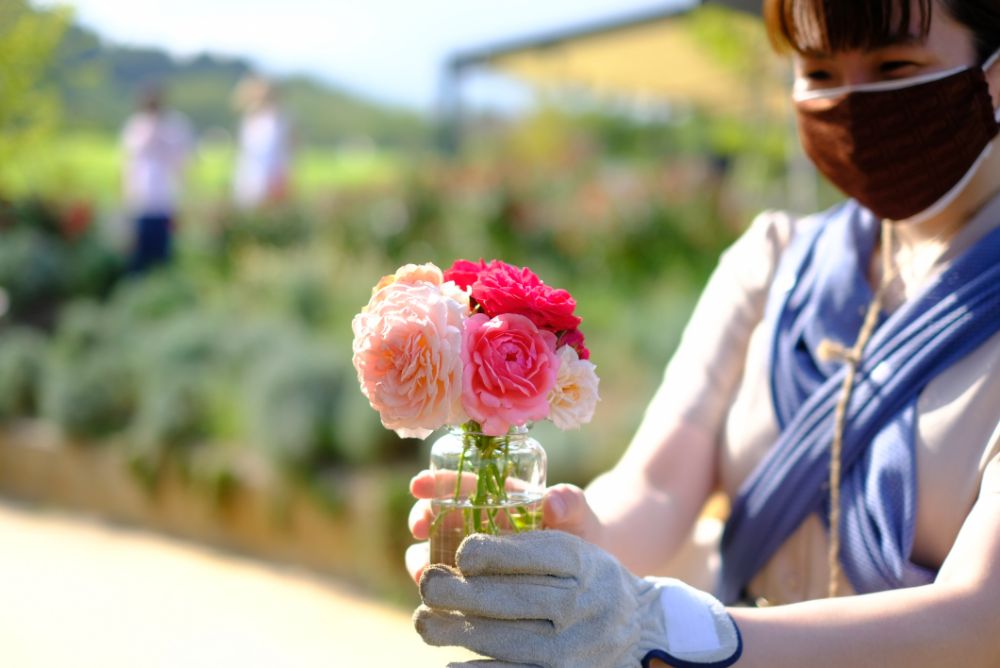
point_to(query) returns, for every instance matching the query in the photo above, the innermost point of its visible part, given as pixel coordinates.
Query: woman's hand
(564, 507)
(549, 599)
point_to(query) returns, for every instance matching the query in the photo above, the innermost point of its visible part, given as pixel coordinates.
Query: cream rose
(574, 396)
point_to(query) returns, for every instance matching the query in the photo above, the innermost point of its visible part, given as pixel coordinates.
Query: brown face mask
(902, 148)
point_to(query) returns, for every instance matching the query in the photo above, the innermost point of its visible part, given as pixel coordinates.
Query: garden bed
(351, 534)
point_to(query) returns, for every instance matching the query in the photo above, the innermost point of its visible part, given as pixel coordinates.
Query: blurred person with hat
(264, 153)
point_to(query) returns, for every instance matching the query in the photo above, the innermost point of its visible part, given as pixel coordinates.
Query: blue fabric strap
(820, 292)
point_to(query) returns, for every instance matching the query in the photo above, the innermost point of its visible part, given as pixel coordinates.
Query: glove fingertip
(419, 620)
(432, 573)
(426, 623)
(468, 556)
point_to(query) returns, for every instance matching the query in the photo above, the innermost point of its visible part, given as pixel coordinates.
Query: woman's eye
(818, 75)
(897, 66)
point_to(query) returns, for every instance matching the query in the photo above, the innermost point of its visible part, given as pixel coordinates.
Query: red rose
(574, 339)
(464, 272)
(503, 288)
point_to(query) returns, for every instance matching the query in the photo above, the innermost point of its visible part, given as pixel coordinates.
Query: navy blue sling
(821, 293)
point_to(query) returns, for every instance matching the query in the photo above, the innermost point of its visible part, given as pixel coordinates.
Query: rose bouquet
(486, 349)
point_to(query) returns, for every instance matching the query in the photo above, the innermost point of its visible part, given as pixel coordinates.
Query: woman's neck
(918, 247)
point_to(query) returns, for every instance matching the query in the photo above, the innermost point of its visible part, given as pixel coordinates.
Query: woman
(843, 392)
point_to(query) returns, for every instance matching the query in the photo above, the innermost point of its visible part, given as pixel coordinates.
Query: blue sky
(389, 50)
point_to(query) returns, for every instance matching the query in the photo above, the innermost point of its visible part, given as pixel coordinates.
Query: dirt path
(82, 594)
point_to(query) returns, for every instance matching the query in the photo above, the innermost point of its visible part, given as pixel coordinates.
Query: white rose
(574, 397)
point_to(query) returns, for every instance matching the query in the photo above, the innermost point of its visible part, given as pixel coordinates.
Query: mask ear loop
(947, 198)
(990, 62)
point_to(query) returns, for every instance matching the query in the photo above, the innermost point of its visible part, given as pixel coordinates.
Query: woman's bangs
(826, 26)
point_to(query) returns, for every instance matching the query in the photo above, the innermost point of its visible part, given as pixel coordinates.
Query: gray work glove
(550, 599)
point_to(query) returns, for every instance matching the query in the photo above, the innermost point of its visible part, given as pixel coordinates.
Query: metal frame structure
(461, 63)
(801, 180)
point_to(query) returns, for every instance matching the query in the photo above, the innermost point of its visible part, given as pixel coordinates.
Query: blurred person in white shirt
(157, 145)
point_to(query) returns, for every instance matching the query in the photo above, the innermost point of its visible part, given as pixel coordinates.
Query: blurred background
(196, 198)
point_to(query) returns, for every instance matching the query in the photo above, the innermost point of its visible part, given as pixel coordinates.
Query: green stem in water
(457, 498)
(491, 482)
(502, 482)
(461, 469)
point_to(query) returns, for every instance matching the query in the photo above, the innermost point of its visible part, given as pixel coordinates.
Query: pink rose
(503, 288)
(509, 368)
(464, 272)
(407, 345)
(574, 339)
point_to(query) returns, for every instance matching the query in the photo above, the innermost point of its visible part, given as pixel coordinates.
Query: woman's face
(948, 44)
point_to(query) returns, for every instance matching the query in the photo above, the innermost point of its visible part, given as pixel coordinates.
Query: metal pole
(449, 116)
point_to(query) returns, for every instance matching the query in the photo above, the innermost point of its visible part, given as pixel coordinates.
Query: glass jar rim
(473, 428)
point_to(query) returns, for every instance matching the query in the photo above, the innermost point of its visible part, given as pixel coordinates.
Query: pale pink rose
(510, 367)
(574, 397)
(407, 352)
(413, 274)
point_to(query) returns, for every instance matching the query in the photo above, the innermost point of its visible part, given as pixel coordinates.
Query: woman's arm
(953, 622)
(648, 502)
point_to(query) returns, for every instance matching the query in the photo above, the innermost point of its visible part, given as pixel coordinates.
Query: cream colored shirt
(719, 379)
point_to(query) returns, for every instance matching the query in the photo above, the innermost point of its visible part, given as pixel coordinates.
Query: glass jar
(484, 484)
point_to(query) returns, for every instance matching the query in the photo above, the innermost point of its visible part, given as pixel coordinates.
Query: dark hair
(151, 98)
(836, 25)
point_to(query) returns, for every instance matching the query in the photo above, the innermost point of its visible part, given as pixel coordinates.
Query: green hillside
(98, 81)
